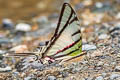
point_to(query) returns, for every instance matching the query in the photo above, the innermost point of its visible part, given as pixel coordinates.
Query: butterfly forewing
(66, 42)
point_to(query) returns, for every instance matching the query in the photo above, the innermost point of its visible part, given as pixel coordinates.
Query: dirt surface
(26, 9)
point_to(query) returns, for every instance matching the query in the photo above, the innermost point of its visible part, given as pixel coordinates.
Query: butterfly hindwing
(66, 42)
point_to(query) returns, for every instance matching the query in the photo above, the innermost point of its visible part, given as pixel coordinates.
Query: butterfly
(66, 42)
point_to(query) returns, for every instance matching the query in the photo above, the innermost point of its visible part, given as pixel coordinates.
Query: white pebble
(99, 78)
(117, 68)
(99, 5)
(117, 16)
(23, 27)
(7, 21)
(114, 76)
(103, 36)
(88, 47)
(6, 69)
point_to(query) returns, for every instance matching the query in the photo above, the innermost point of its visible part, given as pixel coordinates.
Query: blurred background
(26, 9)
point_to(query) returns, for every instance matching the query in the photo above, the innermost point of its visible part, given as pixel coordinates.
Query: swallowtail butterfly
(66, 42)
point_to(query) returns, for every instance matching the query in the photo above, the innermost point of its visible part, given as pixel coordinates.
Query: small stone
(88, 47)
(96, 53)
(100, 63)
(4, 40)
(5, 69)
(23, 27)
(99, 5)
(106, 65)
(99, 78)
(2, 54)
(28, 78)
(113, 63)
(2, 51)
(103, 36)
(114, 76)
(117, 68)
(72, 78)
(64, 74)
(118, 15)
(118, 55)
(37, 65)
(89, 78)
(51, 78)
(7, 23)
(104, 74)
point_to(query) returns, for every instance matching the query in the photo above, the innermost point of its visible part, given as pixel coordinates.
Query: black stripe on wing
(67, 48)
(69, 52)
(74, 19)
(76, 33)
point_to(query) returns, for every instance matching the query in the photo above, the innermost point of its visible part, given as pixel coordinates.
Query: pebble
(64, 74)
(37, 65)
(2, 54)
(99, 78)
(118, 15)
(23, 27)
(99, 5)
(117, 68)
(4, 40)
(114, 76)
(2, 51)
(88, 47)
(96, 53)
(7, 23)
(5, 69)
(51, 78)
(104, 74)
(28, 78)
(118, 55)
(103, 36)
(100, 63)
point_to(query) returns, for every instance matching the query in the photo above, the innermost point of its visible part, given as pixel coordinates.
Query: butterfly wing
(66, 41)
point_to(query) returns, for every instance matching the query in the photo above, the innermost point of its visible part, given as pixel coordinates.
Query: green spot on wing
(77, 47)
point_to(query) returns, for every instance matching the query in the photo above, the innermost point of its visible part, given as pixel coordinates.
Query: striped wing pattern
(66, 42)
